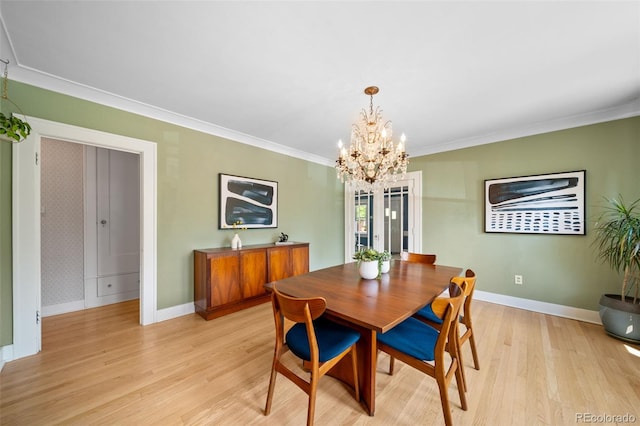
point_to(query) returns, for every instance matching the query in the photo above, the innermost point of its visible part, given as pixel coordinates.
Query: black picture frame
(247, 202)
(537, 204)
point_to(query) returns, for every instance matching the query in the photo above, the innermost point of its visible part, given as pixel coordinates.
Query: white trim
(631, 109)
(25, 245)
(563, 311)
(175, 311)
(62, 308)
(6, 355)
(54, 83)
(50, 82)
(25, 263)
(539, 307)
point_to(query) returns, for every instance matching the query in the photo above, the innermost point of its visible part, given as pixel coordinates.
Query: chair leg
(391, 365)
(458, 354)
(444, 399)
(461, 390)
(474, 351)
(312, 399)
(354, 364)
(272, 385)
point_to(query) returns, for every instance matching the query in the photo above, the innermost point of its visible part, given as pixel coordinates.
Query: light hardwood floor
(100, 367)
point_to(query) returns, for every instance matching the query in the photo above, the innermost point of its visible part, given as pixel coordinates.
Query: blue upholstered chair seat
(427, 313)
(412, 337)
(332, 339)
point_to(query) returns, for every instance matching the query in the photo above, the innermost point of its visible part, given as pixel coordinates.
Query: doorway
(89, 224)
(386, 219)
(26, 224)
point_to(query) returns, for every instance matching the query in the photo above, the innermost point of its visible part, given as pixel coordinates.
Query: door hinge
(37, 317)
(36, 158)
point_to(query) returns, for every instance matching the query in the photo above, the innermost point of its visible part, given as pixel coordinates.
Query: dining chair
(426, 314)
(420, 258)
(423, 347)
(427, 259)
(319, 342)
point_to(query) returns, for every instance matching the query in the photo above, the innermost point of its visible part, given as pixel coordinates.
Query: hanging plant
(13, 129)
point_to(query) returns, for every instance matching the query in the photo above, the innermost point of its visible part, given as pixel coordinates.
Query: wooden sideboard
(227, 280)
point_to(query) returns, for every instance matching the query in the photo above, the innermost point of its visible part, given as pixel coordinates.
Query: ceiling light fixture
(372, 160)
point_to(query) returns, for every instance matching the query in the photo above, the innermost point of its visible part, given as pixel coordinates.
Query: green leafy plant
(366, 255)
(372, 255)
(14, 128)
(618, 242)
(384, 255)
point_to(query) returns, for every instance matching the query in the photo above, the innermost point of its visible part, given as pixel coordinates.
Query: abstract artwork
(540, 204)
(247, 202)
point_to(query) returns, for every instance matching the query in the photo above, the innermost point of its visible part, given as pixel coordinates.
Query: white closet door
(118, 211)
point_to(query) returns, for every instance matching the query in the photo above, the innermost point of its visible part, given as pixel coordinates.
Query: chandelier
(372, 160)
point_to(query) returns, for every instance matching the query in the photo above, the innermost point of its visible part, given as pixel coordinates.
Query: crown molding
(630, 109)
(49, 82)
(36, 78)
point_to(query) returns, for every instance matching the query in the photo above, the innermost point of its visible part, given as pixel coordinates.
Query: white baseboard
(79, 305)
(540, 307)
(62, 308)
(6, 355)
(500, 299)
(6, 352)
(175, 312)
(111, 298)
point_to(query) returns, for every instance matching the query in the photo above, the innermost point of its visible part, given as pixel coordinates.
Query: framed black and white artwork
(540, 204)
(248, 203)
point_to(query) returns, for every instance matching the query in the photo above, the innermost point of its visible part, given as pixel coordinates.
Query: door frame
(26, 224)
(414, 181)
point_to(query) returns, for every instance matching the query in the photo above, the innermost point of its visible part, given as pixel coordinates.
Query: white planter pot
(386, 265)
(368, 269)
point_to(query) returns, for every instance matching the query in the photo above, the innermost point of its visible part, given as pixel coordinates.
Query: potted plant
(618, 243)
(13, 129)
(385, 261)
(370, 262)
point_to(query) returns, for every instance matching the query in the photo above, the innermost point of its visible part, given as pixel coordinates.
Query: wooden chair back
(299, 309)
(429, 259)
(303, 311)
(448, 309)
(443, 369)
(468, 284)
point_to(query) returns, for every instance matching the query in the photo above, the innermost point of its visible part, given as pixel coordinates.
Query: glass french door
(388, 219)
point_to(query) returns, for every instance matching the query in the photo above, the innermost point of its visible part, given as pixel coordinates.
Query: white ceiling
(289, 76)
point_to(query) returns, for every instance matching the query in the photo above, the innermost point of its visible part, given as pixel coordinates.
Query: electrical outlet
(518, 279)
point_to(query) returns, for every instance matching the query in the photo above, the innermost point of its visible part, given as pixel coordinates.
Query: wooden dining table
(370, 306)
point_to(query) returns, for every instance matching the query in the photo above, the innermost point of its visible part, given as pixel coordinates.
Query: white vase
(235, 242)
(368, 269)
(386, 265)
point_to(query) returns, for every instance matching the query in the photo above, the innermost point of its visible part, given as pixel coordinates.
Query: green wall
(556, 269)
(311, 199)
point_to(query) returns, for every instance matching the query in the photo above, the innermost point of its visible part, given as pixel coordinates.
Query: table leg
(367, 357)
(367, 362)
